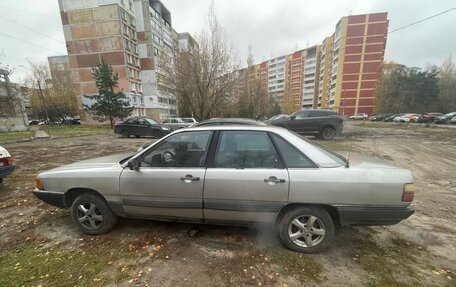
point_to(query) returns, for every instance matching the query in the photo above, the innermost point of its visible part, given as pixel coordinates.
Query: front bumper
(6, 170)
(373, 215)
(56, 198)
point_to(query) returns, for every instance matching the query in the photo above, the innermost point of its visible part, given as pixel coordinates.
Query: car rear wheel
(125, 134)
(306, 229)
(157, 134)
(328, 133)
(92, 214)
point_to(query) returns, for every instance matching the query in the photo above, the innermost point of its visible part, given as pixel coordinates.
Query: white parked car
(6, 163)
(360, 116)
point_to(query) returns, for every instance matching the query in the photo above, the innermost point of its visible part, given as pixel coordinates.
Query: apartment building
(352, 61)
(339, 74)
(133, 36)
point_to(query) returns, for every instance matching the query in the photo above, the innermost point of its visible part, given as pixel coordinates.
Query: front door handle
(274, 180)
(189, 178)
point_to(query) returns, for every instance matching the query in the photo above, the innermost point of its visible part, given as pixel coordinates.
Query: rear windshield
(331, 154)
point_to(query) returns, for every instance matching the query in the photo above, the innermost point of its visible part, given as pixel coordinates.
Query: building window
(130, 5)
(141, 100)
(156, 39)
(156, 51)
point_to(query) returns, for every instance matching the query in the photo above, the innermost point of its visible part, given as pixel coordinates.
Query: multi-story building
(133, 36)
(339, 74)
(355, 57)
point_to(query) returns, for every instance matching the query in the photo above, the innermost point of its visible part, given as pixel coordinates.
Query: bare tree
(203, 79)
(52, 93)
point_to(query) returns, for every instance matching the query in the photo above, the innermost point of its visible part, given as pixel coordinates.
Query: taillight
(408, 193)
(9, 161)
(39, 183)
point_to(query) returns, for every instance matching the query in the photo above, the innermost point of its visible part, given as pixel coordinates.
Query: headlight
(165, 128)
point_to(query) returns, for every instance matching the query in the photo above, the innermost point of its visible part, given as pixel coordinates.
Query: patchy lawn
(76, 130)
(15, 136)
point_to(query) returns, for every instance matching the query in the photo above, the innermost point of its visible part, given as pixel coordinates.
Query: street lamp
(41, 91)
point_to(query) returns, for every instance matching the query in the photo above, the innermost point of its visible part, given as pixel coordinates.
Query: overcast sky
(271, 27)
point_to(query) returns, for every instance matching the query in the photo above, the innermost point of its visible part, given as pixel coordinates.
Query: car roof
(231, 120)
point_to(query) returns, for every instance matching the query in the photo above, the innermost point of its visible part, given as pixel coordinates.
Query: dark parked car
(380, 117)
(6, 163)
(228, 121)
(141, 126)
(428, 117)
(391, 118)
(219, 122)
(325, 124)
(445, 118)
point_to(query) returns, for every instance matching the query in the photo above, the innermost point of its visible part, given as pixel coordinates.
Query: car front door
(169, 181)
(144, 128)
(299, 122)
(246, 180)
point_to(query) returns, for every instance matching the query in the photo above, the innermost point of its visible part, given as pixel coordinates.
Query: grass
(75, 130)
(302, 265)
(15, 136)
(386, 265)
(33, 265)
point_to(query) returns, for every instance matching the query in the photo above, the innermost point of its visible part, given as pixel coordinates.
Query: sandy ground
(418, 251)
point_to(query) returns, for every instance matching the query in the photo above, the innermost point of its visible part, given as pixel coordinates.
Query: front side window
(245, 149)
(302, 115)
(186, 149)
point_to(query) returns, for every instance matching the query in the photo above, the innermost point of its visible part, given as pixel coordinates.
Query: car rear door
(245, 180)
(169, 183)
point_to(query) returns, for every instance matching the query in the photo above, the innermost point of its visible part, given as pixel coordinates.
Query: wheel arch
(332, 211)
(73, 193)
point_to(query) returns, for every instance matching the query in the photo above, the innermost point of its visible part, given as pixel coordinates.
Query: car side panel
(348, 186)
(243, 195)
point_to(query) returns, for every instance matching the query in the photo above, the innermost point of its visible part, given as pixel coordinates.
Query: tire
(92, 214)
(319, 234)
(1, 179)
(157, 134)
(328, 133)
(125, 134)
(137, 136)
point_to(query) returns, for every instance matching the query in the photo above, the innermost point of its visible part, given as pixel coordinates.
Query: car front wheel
(125, 134)
(92, 214)
(157, 134)
(306, 229)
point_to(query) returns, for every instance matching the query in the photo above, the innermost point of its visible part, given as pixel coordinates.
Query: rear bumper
(5, 170)
(373, 215)
(56, 198)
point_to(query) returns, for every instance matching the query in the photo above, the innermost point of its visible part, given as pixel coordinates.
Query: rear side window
(243, 149)
(292, 157)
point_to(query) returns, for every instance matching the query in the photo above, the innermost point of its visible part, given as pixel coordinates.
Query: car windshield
(151, 121)
(185, 120)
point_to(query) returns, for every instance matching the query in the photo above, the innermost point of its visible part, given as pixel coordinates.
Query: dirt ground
(420, 251)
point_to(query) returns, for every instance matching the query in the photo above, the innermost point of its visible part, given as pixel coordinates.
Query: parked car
(453, 120)
(176, 123)
(428, 117)
(228, 121)
(34, 122)
(391, 118)
(325, 124)
(360, 116)
(248, 173)
(404, 118)
(276, 117)
(6, 163)
(141, 126)
(445, 118)
(380, 117)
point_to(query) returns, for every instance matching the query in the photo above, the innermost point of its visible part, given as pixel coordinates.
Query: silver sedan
(234, 174)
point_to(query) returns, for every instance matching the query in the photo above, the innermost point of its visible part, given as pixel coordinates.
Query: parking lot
(40, 245)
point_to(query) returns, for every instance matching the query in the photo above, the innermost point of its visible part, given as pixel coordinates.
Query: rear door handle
(273, 180)
(189, 178)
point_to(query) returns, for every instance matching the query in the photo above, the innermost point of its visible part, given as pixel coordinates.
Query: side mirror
(134, 163)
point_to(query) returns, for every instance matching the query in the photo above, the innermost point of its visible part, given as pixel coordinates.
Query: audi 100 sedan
(234, 175)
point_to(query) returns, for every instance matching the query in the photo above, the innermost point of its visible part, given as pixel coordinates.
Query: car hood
(101, 162)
